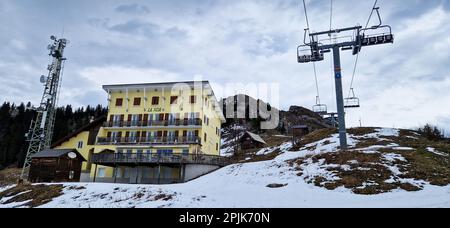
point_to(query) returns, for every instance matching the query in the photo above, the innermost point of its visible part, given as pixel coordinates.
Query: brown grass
(361, 131)
(314, 137)
(9, 176)
(273, 141)
(37, 194)
(367, 177)
(241, 158)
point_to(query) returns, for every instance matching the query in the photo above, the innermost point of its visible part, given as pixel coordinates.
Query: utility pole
(40, 133)
(314, 50)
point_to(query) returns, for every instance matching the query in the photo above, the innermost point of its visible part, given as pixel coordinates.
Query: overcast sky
(225, 41)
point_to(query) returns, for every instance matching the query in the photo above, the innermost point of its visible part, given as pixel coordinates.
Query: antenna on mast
(40, 133)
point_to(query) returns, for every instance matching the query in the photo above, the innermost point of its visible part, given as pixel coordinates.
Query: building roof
(256, 137)
(52, 153)
(87, 127)
(151, 85)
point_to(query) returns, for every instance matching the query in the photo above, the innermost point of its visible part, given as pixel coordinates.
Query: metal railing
(133, 159)
(148, 140)
(154, 123)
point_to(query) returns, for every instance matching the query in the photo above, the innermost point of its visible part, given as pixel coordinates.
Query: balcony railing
(154, 123)
(133, 159)
(148, 140)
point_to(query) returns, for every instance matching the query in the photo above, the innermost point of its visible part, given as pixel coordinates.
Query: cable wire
(331, 14)
(357, 55)
(314, 64)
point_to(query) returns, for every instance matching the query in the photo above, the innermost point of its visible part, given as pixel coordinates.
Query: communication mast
(40, 133)
(315, 47)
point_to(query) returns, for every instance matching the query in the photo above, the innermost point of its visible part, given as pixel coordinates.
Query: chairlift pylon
(352, 101)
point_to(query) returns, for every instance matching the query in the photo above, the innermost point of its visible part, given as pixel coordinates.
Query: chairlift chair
(375, 37)
(319, 108)
(306, 54)
(353, 101)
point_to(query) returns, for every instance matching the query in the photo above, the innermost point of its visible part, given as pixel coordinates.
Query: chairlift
(378, 38)
(319, 108)
(309, 52)
(353, 101)
(306, 54)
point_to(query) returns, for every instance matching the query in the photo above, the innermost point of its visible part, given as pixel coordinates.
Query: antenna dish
(72, 155)
(43, 79)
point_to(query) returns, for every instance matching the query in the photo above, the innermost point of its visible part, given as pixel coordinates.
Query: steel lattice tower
(41, 129)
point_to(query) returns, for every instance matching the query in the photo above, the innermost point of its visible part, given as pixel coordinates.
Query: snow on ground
(245, 185)
(434, 151)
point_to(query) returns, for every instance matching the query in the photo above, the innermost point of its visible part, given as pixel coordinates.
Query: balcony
(149, 141)
(154, 123)
(152, 159)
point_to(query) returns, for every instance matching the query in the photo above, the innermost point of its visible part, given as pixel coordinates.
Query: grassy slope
(378, 164)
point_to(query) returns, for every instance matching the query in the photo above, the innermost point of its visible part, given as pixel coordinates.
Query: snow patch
(434, 151)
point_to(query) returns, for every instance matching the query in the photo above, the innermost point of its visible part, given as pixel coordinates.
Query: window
(155, 100)
(193, 99)
(217, 146)
(137, 101)
(71, 175)
(119, 102)
(80, 145)
(164, 152)
(101, 172)
(116, 120)
(174, 100)
(185, 152)
(119, 173)
(205, 136)
(134, 120)
(127, 173)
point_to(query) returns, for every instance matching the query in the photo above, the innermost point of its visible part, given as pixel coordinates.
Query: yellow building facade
(153, 133)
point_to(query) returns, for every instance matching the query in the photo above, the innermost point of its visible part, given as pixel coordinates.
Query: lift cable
(331, 62)
(357, 55)
(314, 64)
(331, 14)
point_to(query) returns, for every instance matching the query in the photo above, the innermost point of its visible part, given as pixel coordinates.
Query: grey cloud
(133, 9)
(137, 27)
(226, 41)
